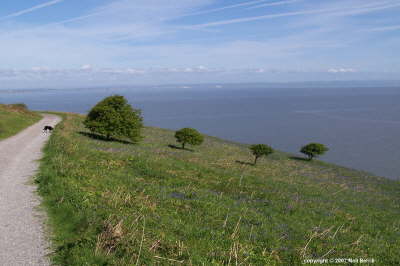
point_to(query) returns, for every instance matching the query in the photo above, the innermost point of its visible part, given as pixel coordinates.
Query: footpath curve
(22, 233)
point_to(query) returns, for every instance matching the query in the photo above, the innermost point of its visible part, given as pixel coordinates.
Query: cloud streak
(387, 28)
(274, 4)
(32, 9)
(329, 11)
(74, 19)
(141, 41)
(255, 18)
(342, 70)
(208, 11)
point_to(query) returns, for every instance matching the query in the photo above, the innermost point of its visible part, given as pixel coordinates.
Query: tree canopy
(260, 150)
(313, 150)
(188, 136)
(114, 117)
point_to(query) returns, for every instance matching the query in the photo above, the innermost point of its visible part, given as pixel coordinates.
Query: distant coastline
(231, 86)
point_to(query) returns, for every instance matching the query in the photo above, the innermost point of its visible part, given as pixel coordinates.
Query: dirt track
(22, 238)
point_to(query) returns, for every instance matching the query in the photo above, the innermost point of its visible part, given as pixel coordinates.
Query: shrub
(189, 136)
(114, 117)
(19, 106)
(260, 150)
(313, 150)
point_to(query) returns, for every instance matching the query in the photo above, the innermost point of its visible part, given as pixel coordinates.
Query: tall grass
(14, 118)
(112, 203)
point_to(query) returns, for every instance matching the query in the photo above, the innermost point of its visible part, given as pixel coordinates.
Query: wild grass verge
(14, 118)
(112, 203)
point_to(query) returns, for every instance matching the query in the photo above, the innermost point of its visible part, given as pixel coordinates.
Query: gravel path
(22, 237)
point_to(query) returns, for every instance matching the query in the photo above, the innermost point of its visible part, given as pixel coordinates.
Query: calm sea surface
(361, 126)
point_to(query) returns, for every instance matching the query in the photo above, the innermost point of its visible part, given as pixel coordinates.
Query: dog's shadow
(244, 163)
(179, 148)
(103, 138)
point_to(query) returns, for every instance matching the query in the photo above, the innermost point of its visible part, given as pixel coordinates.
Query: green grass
(14, 118)
(112, 203)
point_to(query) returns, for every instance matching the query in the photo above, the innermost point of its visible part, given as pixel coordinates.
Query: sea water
(361, 126)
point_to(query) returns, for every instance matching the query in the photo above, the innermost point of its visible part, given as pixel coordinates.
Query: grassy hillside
(112, 203)
(14, 118)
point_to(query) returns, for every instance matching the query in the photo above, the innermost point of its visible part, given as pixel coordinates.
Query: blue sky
(63, 43)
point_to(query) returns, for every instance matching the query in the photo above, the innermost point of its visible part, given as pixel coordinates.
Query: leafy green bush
(19, 106)
(189, 136)
(260, 150)
(313, 150)
(114, 117)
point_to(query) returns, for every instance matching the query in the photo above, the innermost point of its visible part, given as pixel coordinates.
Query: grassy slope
(14, 119)
(116, 204)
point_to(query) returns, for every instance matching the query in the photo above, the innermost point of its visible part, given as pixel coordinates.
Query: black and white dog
(48, 129)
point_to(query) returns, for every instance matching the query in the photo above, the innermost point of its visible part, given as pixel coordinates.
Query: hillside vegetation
(14, 118)
(152, 203)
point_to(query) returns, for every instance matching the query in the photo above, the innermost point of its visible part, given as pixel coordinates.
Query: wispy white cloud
(340, 11)
(255, 18)
(208, 11)
(74, 19)
(90, 72)
(125, 20)
(44, 77)
(367, 8)
(132, 41)
(342, 70)
(86, 67)
(384, 28)
(275, 4)
(42, 73)
(30, 10)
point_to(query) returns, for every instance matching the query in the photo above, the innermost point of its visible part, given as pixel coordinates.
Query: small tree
(113, 116)
(313, 150)
(189, 136)
(260, 150)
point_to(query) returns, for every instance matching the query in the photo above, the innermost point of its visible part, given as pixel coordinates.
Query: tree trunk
(183, 145)
(255, 160)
